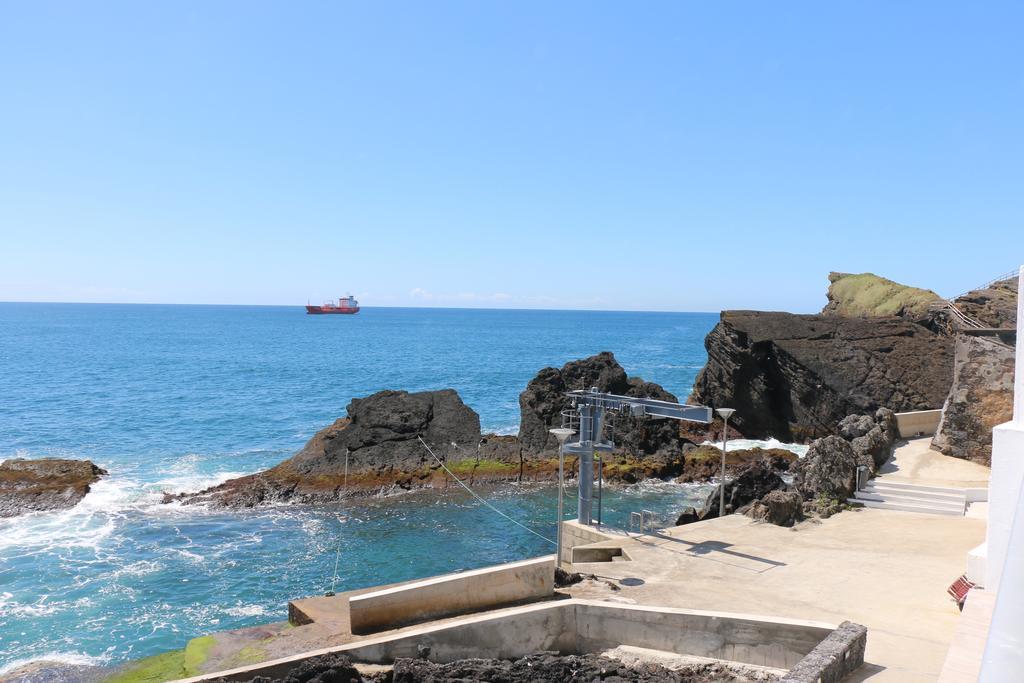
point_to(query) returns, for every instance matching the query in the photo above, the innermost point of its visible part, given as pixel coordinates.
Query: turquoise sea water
(176, 398)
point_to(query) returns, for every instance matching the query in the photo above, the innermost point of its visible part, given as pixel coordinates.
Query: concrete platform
(914, 462)
(885, 569)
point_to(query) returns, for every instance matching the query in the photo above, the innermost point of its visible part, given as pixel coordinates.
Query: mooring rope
(337, 556)
(475, 495)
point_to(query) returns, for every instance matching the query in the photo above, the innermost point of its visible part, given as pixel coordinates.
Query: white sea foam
(65, 658)
(245, 611)
(742, 444)
(93, 520)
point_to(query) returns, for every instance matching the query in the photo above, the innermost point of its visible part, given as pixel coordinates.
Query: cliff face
(870, 296)
(795, 377)
(981, 398)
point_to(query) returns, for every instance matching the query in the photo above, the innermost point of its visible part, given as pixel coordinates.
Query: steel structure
(592, 406)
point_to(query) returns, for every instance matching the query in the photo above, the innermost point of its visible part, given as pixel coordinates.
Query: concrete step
(882, 482)
(905, 507)
(959, 505)
(619, 558)
(915, 493)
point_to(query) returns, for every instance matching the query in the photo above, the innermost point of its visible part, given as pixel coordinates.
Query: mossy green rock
(867, 295)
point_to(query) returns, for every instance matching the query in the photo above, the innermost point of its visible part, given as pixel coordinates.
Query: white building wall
(1004, 567)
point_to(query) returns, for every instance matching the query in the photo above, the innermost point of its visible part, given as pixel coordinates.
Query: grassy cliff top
(869, 295)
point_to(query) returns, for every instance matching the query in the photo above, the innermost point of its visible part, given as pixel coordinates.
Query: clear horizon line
(446, 308)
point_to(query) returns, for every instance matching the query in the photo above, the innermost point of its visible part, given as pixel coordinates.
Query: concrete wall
(580, 626)
(576, 534)
(1004, 487)
(918, 423)
(452, 594)
(777, 643)
(834, 658)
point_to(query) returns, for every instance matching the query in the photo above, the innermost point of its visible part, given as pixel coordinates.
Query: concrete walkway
(913, 462)
(885, 569)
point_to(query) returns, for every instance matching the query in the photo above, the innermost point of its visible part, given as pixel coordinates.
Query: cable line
(474, 494)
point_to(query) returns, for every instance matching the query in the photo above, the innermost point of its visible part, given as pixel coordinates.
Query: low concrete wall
(576, 534)
(834, 658)
(598, 553)
(778, 643)
(582, 626)
(918, 423)
(453, 594)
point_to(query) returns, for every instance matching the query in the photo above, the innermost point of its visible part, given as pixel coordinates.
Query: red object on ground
(346, 305)
(959, 590)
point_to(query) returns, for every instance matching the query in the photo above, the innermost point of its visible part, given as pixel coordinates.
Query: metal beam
(591, 405)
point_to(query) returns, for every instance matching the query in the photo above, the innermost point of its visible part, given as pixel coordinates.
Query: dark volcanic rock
(545, 667)
(44, 484)
(795, 377)
(330, 668)
(753, 482)
(381, 437)
(705, 462)
(981, 398)
(828, 470)
(784, 508)
(543, 401)
(995, 305)
(555, 668)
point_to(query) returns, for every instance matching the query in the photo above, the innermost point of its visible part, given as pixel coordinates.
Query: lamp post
(560, 433)
(725, 414)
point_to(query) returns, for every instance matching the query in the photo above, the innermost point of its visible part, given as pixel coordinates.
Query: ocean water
(177, 398)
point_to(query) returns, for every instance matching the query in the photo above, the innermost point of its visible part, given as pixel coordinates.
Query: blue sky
(651, 156)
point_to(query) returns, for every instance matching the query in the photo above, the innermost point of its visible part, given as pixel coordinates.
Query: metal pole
(725, 439)
(600, 480)
(561, 488)
(590, 417)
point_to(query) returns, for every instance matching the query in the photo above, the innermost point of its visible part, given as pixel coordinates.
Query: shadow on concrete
(704, 549)
(864, 672)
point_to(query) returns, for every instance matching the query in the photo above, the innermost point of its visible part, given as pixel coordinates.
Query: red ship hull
(326, 310)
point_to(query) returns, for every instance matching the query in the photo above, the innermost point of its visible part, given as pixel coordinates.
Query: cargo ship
(346, 305)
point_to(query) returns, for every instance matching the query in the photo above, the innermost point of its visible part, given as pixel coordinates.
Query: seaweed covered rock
(542, 402)
(828, 470)
(705, 462)
(378, 446)
(44, 484)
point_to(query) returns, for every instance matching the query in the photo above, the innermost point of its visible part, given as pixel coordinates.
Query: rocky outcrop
(795, 377)
(980, 399)
(705, 462)
(542, 667)
(44, 484)
(783, 508)
(866, 295)
(376, 447)
(872, 437)
(995, 305)
(542, 403)
(549, 667)
(754, 481)
(828, 471)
